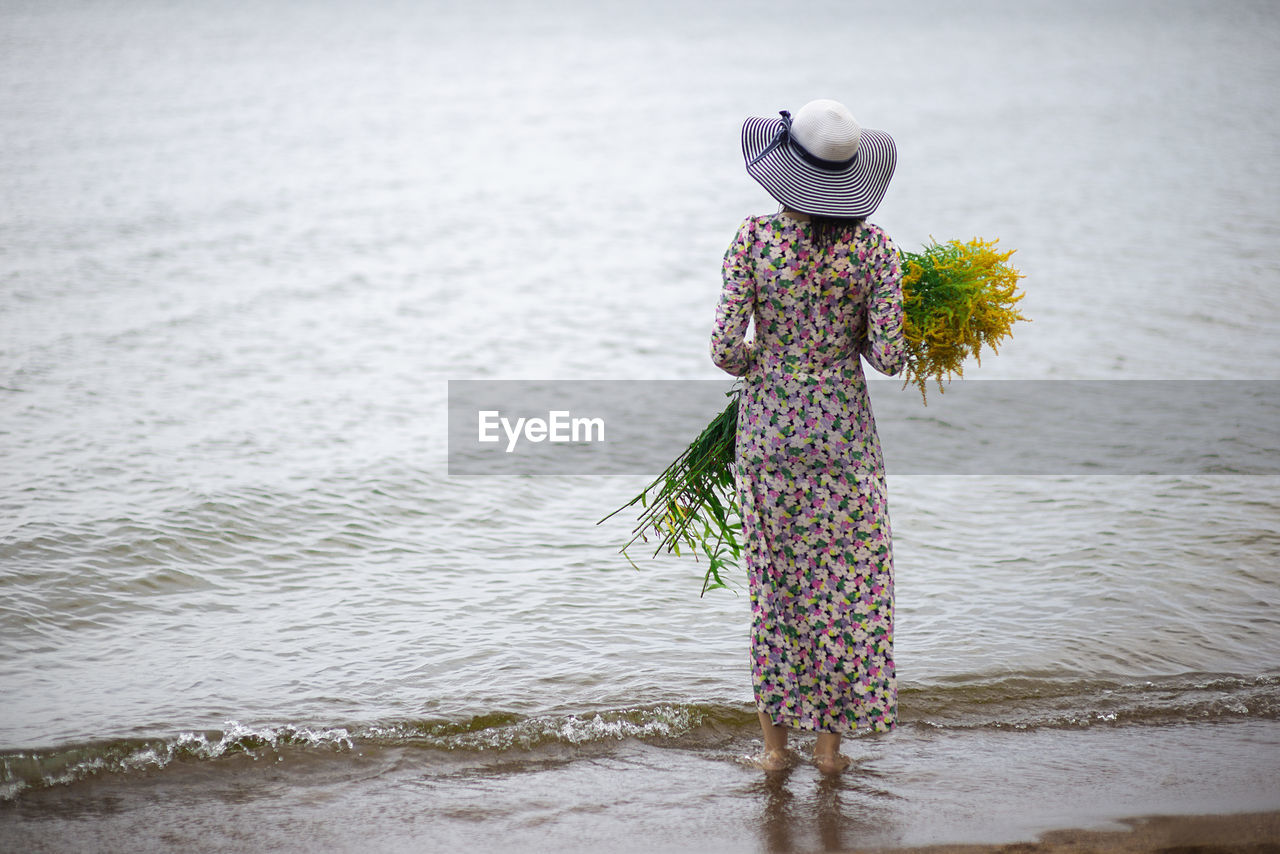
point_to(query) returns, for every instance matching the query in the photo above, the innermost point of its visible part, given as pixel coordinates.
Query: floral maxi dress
(809, 469)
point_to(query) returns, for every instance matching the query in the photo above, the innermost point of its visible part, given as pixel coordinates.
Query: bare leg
(775, 756)
(826, 753)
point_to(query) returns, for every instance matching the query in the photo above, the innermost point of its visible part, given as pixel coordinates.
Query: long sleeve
(730, 349)
(885, 346)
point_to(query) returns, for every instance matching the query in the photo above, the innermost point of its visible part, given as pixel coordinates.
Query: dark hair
(832, 229)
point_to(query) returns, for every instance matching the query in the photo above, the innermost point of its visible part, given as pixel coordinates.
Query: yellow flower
(956, 298)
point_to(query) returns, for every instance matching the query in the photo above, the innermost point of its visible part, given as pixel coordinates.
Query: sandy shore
(1245, 833)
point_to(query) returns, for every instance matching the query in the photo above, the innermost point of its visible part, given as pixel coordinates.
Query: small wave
(1018, 703)
(498, 732)
(22, 770)
(1024, 702)
(508, 732)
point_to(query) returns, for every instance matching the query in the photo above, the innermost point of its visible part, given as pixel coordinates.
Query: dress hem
(784, 722)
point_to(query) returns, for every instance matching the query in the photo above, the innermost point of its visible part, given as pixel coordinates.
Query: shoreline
(1193, 789)
(1227, 833)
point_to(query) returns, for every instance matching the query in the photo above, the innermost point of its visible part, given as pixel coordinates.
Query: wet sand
(1244, 833)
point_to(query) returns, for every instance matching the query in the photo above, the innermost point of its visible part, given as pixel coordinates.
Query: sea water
(245, 246)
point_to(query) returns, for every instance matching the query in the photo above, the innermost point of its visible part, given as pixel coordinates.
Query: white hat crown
(826, 129)
(821, 161)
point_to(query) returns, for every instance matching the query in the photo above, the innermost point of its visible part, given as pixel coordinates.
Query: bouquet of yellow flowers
(956, 298)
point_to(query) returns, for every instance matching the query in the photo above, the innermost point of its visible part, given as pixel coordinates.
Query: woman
(823, 288)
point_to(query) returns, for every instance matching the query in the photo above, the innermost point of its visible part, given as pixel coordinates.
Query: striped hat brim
(853, 191)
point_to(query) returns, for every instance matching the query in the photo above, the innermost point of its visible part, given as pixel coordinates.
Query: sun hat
(820, 162)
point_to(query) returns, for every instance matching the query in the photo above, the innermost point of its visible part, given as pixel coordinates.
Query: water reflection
(799, 813)
(829, 813)
(776, 819)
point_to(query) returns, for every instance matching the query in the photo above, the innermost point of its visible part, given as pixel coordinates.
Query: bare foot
(779, 759)
(831, 763)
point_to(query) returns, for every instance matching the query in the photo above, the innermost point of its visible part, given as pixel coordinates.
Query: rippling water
(243, 250)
